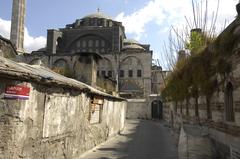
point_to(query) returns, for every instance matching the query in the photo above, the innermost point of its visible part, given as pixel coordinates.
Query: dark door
(157, 109)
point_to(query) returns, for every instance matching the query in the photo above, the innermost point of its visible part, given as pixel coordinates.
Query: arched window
(84, 43)
(90, 43)
(59, 43)
(96, 43)
(78, 44)
(102, 43)
(229, 112)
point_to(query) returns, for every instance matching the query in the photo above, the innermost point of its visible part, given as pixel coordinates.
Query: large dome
(99, 15)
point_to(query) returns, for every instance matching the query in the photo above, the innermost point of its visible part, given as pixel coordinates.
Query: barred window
(139, 73)
(130, 73)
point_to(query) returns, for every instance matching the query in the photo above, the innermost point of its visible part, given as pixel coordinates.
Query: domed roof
(133, 46)
(99, 15)
(131, 41)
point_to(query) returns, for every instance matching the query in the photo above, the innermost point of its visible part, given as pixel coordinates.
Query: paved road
(141, 139)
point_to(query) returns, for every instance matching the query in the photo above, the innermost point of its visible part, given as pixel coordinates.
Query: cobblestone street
(141, 139)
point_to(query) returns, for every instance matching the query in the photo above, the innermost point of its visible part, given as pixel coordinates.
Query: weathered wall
(54, 123)
(224, 134)
(138, 109)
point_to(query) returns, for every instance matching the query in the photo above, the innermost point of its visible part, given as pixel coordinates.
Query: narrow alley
(141, 139)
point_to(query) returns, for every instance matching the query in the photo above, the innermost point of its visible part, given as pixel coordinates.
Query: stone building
(121, 65)
(80, 66)
(125, 61)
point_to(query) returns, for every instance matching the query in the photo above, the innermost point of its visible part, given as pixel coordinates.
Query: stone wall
(54, 122)
(138, 109)
(223, 134)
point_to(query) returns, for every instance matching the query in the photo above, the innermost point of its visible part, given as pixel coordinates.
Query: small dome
(97, 15)
(133, 46)
(130, 41)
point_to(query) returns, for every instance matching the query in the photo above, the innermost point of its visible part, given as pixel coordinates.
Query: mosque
(95, 50)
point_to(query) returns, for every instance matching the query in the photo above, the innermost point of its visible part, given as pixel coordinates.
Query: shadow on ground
(141, 139)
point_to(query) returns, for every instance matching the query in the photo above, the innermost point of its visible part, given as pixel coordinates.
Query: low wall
(55, 122)
(138, 109)
(223, 134)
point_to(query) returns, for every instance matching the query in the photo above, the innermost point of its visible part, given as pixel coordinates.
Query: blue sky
(148, 21)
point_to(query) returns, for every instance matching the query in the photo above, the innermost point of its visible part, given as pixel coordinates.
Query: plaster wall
(54, 123)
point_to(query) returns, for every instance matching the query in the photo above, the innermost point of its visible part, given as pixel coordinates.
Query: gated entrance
(157, 109)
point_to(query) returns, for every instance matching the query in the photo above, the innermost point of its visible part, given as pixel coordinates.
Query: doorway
(157, 110)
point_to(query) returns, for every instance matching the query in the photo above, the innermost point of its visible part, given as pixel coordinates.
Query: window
(110, 24)
(109, 73)
(103, 73)
(90, 43)
(96, 108)
(229, 112)
(102, 43)
(130, 73)
(121, 73)
(84, 43)
(96, 43)
(78, 44)
(139, 73)
(97, 73)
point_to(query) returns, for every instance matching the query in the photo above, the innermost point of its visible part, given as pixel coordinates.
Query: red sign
(17, 92)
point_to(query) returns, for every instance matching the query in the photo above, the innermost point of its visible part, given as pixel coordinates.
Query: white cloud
(171, 12)
(135, 23)
(33, 43)
(5, 28)
(30, 43)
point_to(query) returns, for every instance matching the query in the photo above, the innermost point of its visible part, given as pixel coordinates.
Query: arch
(60, 63)
(229, 110)
(157, 109)
(139, 63)
(61, 66)
(59, 43)
(89, 36)
(132, 64)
